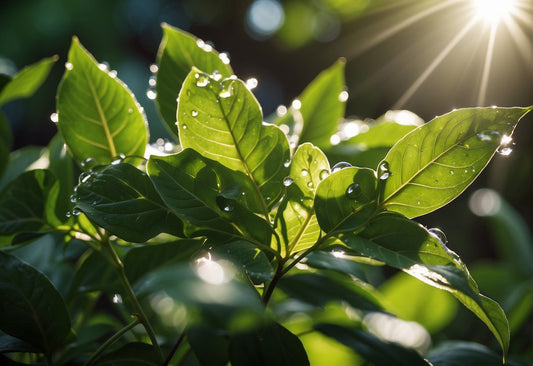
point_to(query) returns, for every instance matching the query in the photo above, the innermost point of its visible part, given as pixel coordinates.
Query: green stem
(272, 285)
(119, 266)
(174, 349)
(112, 340)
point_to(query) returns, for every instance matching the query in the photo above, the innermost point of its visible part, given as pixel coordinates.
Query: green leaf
(131, 354)
(178, 53)
(30, 307)
(10, 344)
(208, 195)
(404, 244)
(346, 199)
(435, 163)
(28, 203)
(465, 353)
(141, 260)
(61, 165)
(21, 160)
(370, 347)
(123, 200)
(6, 139)
(322, 105)
(271, 345)
(98, 115)
(210, 346)
(93, 273)
(296, 219)
(222, 120)
(27, 81)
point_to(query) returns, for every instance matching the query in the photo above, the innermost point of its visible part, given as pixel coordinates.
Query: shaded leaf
(210, 346)
(10, 344)
(98, 115)
(222, 120)
(30, 307)
(27, 80)
(131, 354)
(6, 139)
(93, 273)
(465, 353)
(178, 53)
(123, 200)
(21, 160)
(435, 163)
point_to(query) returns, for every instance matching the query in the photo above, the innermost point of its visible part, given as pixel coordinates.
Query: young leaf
(98, 115)
(322, 105)
(208, 195)
(178, 53)
(222, 120)
(346, 199)
(28, 203)
(123, 200)
(404, 244)
(30, 306)
(27, 81)
(435, 163)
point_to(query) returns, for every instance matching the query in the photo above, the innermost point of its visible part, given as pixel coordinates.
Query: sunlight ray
(486, 68)
(520, 39)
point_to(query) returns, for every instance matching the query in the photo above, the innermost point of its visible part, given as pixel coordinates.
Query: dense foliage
(241, 241)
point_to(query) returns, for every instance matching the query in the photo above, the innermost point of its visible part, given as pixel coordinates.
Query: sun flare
(492, 11)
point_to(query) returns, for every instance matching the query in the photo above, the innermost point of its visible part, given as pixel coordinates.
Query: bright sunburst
(492, 11)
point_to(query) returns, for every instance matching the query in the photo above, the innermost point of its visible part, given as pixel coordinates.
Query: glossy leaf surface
(435, 163)
(98, 115)
(178, 53)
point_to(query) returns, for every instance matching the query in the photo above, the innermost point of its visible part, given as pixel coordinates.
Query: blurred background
(421, 55)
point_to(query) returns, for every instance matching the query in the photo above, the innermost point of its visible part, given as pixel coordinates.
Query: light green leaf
(28, 203)
(322, 105)
(178, 53)
(208, 195)
(346, 199)
(222, 120)
(123, 200)
(435, 163)
(61, 165)
(98, 115)
(27, 81)
(30, 306)
(404, 244)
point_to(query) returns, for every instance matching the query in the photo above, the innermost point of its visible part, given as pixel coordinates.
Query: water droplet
(154, 68)
(251, 83)
(305, 172)
(88, 163)
(281, 110)
(225, 204)
(68, 214)
(73, 198)
(287, 181)
(225, 93)
(201, 80)
(505, 151)
(184, 127)
(130, 110)
(112, 73)
(339, 166)
(383, 171)
(296, 104)
(76, 211)
(84, 177)
(68, 66)
(506, 140)
(194, 113)
(481, 136)
(353, 191)
(224, 57)
(287, 163)
(151, 94)
(117, 299)
(54, 117)
(439, 234)
(104, 66)
(310, 184)
(152, 81)
(216, 75)
(418, 203)
(335, 139)
(324, 174)
(343, 96)
(452, 172)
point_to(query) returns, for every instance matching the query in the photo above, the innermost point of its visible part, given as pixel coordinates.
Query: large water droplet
(439, 234)
(84, 177)
(201, 80)
(152, 81)
(251, 83)
(305, 172)
(383, 171)
(287, 181)
(216, 75)
(296, 104)
(104, 66)
(353, 191)
(339, 166)
(154, 68)
(505, 151)
(54, 117)
(88, 163)
(68, 66)
(343, 96)
(151, 94)
(323, 174)
(225, 93)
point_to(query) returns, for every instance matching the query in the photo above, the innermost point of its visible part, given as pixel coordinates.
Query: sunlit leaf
(122, 199)
(25, 158)
(435, 163)
(404, 244)
(98, 116)
(134, 354)
(222, 120)
(346, 199)
(27, 81)
(178, 53)
(31, 308)
(322, 105)
(61, 165)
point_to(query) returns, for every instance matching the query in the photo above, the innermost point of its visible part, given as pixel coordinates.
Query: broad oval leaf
(123, 200)
(178, 53)
(406, 245)
(222, 120)
(30, 306)
(98, 115)
(346, 199)
(27, 81)
(435, 163)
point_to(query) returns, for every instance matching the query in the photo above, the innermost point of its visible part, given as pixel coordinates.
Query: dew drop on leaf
(310, 184)
(439, 234)
(225, 204)
(151, 94)
(251, 83)
(339, 166)
(154, 68)
(84, 177)
(73, 198)
(383, 171)
(481, 136)
(324, 174)
(88, 163)
(225, 93)
(287, 181)
(305, 172)
(201, 80)
(54, 117)
(194, 113)
(68, 66)
(184, 127)
(224, 57)
(343, 96)
(353, 191)
(287, 163)
(505, 151)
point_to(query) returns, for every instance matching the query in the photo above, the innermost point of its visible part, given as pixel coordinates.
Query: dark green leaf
(11, 344)
(27, 81)
(208, 195)
(131, 354)
(370, 347)
(271, 345)
(336, 261)
(178, 53)
(322, 105)
(435, 163)
(30, 307)
(98, 116)
(222, 120)
(210, 346)
(346, 199)
(26, 158)
(28, 203)
(93, 273)
(465, 353)
(6, 140)
(141, 260)
(122, 199)
(404, 244)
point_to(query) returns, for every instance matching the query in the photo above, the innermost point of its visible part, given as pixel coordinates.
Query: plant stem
(112, 340)
(270, 289)
(119, 266)
(174, 349)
